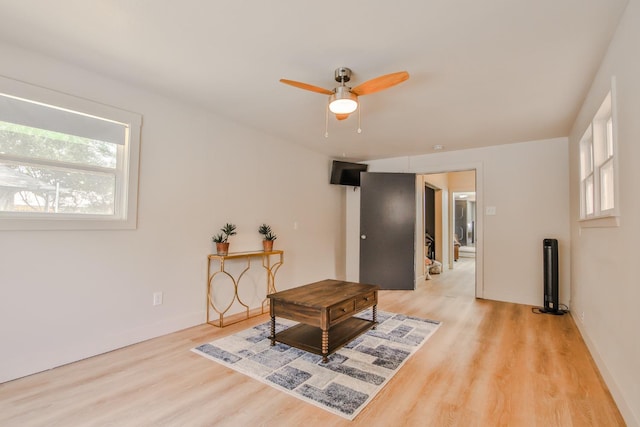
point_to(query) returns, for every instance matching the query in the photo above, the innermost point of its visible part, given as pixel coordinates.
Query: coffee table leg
(375, 315)
(273, 330)
(325, 346)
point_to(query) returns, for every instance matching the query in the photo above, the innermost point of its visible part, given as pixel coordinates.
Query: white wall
(464, 181)
(604, 277)
(67, 295)
(528, 185)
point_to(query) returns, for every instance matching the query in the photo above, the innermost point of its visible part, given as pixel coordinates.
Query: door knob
(363, 237)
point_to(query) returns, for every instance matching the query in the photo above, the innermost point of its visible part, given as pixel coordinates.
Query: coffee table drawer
(344, 309)
(366, 300)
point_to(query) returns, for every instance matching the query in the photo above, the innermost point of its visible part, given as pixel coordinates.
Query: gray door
(387, 230)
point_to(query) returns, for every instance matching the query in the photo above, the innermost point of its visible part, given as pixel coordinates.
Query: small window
(586, 173)
(65, 162)
(598, 170)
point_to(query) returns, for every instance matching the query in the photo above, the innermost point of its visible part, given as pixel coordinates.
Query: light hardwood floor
(490, 364)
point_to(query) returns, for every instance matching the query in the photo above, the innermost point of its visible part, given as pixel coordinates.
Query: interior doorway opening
(450, 223)
(464, 225)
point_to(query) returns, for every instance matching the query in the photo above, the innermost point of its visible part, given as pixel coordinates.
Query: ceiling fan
(343, 100)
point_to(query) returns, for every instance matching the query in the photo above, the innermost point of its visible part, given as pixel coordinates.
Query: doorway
(430, 230)
(455, 232)
(464, 224)
(444, 248)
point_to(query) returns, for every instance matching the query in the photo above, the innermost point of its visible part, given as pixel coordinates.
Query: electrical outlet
(157, 298)
(582, 316)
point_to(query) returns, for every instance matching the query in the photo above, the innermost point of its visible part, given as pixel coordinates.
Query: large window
(598, 171)
(65, 162)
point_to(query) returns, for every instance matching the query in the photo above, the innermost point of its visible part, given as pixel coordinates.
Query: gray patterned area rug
(351, 378)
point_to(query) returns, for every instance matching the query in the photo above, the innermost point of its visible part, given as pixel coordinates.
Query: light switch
(491, 210)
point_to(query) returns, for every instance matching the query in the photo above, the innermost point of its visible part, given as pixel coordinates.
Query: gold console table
(271, 269)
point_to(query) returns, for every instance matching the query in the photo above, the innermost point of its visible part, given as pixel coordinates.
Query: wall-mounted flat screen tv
(345, 173)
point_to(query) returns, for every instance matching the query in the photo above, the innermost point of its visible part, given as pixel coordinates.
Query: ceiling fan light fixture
(343, 101)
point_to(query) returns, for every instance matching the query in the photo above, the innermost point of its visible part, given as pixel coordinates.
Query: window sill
(19, 224)
(601, 222)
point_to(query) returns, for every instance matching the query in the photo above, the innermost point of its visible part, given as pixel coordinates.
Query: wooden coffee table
(325, 311)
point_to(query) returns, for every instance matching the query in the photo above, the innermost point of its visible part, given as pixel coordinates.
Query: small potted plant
(268, 237)
(222, 239)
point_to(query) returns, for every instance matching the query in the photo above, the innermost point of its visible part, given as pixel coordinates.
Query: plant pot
(222, 248)
(268, 245)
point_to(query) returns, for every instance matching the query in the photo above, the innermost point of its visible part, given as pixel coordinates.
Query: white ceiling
(482, 72)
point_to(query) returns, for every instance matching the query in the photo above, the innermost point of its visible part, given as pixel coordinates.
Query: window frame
(126, 171)
(599, 148)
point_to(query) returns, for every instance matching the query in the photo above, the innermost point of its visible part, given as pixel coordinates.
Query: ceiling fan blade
(380, 83)
(306, 86)
(341, 116)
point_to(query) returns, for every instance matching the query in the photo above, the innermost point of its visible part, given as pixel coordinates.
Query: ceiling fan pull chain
(359, 110)
(326, 121)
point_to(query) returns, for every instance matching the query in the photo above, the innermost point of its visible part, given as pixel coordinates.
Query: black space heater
(550, 256)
